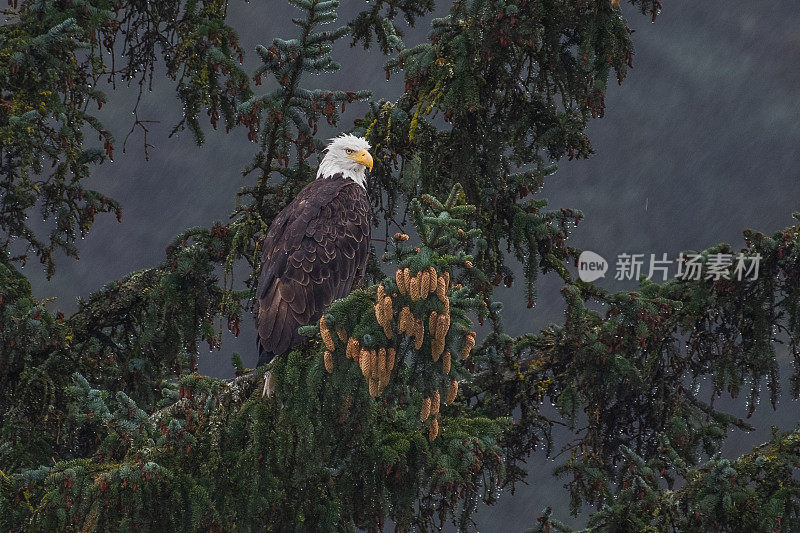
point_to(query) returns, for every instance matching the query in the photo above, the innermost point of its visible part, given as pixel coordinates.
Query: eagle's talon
(269, 386)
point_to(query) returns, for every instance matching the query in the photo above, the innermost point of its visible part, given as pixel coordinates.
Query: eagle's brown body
(315, 251)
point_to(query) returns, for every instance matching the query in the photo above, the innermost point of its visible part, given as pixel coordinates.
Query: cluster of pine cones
(377, 364)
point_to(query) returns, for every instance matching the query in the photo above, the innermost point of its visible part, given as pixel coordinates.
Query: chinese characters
(688, 266)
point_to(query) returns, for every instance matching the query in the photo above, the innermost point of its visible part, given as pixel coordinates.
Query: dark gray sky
(698, 143)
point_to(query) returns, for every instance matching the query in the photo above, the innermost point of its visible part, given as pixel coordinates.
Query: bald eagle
(316, 249)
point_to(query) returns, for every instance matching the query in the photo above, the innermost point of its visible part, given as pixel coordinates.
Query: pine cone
(390, 363)
(387, 310)
(353, 348)
(437, 347)
(425, 411)
(413, 288)
(364, 363)
(388, 314)
(328, 357)
(373, 387)
(452, 392)
(442, 326)
(326, 334)
(424, 284)
(437, 398)
(469, 344)
(342, 334)
(402, 286)
(446, 362)
(441, 288)
(383, 374)
(406, 320)
(434, 430)
(407, 280)
(373, 364)
(419, 334)
(432, 321)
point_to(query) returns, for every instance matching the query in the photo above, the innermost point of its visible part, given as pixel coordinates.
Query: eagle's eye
(348, 151)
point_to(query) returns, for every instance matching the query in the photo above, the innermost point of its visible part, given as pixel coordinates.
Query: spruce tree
(395, 410)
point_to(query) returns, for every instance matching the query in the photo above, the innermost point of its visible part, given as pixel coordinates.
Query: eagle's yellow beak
(363, 158)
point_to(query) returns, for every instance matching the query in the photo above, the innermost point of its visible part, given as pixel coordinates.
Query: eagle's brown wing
(315, 250)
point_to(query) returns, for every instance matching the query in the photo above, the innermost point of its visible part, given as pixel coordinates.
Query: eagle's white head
(349, 155)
